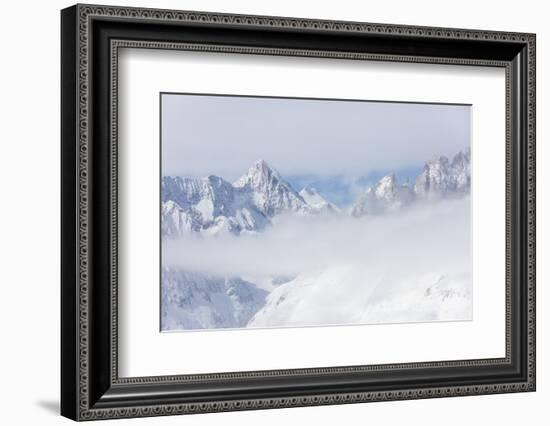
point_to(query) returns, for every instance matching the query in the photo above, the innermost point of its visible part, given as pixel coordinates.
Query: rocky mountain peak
(442, 178)
(271, 194)
(260, 175)
(386, 187)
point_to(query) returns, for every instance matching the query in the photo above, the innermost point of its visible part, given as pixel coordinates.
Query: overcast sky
(225, 135)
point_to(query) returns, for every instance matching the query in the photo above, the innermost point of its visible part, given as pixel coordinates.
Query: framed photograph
(264, 212)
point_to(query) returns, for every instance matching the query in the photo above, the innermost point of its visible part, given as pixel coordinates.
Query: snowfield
(358, 295)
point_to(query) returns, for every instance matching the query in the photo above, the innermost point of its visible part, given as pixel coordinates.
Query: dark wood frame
(90, 386)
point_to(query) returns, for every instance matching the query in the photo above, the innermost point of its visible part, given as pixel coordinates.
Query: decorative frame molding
(91, 388)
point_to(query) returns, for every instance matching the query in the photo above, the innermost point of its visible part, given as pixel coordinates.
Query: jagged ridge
(440, 178)
(213, 205)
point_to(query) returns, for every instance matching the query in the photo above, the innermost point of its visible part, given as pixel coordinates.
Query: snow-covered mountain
(191, 300)
(443, 178)
(317, 202)
(440, 178)
(386, 195)
(268, 192)
(213, 205)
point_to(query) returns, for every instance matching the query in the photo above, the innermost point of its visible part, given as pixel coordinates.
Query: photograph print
(298, 212)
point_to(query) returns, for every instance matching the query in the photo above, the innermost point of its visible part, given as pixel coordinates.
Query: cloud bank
(423, 238)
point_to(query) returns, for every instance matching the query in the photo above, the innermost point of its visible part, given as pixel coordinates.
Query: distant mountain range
(212, 205)
(440, 178)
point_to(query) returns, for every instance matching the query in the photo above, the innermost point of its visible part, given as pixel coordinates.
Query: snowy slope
(360, 295)
(316, 201)
(197, 301)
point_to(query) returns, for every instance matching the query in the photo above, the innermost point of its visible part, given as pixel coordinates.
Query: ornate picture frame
(91, 37)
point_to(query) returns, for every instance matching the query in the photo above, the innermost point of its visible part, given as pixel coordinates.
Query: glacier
(257, 253)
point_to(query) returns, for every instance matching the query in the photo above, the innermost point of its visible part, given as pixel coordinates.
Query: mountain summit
(386, 195)
(269, 193)
(442, 178)
(259, 174)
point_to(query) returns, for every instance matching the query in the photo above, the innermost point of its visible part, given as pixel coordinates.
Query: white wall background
(29, 213)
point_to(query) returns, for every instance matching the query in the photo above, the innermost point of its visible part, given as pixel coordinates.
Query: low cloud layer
(435, 235)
